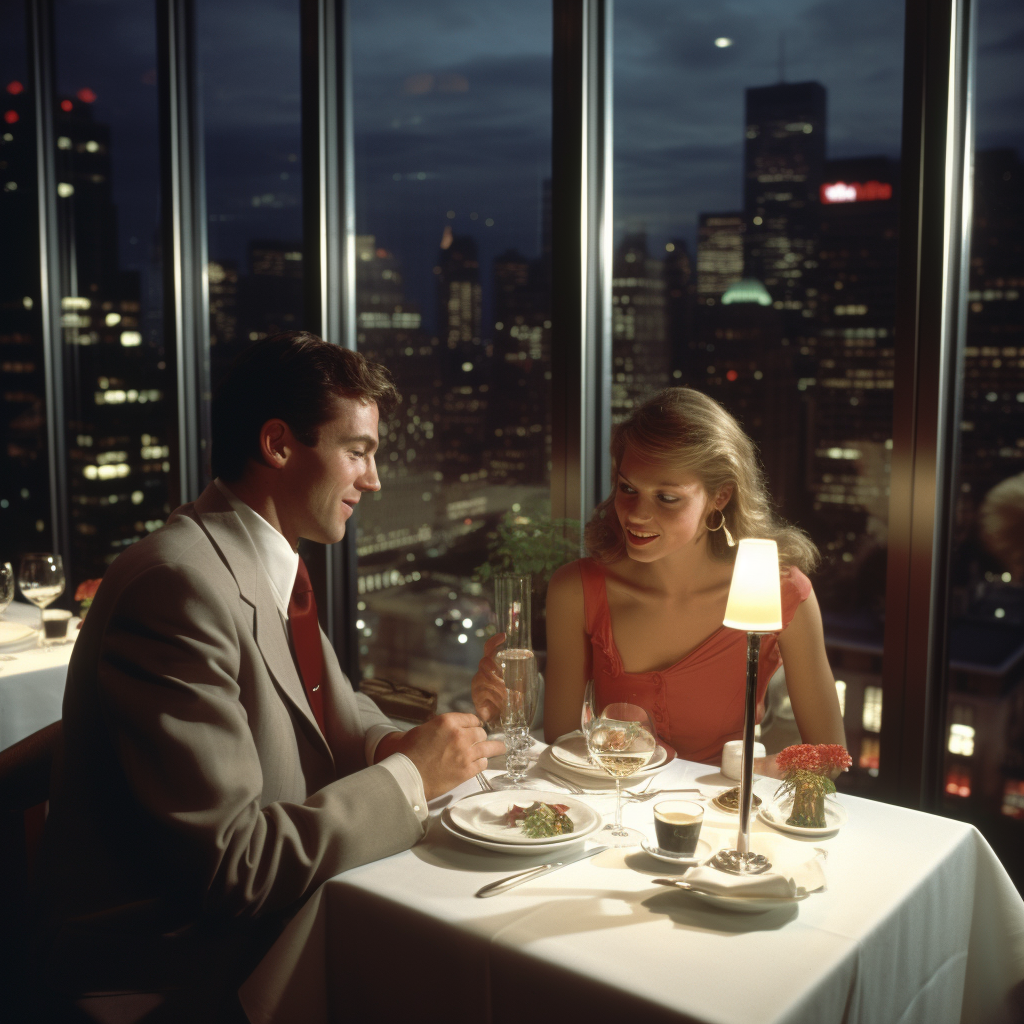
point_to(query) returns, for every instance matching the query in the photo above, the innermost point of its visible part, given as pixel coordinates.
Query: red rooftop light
(11, 116)
(15, 87)
(66, 106)
(86, 95)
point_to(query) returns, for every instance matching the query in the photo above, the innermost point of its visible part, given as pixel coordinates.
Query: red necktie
(306, 640)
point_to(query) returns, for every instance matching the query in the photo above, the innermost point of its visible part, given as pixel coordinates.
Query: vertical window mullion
(329, 232)
(41, 56)
(186, 289)
(581, 190)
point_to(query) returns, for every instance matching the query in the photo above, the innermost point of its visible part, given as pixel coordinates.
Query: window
(25, 520)
(452, 152)
(756, 200)
(249, 92)
(119, 391)
(986, 617)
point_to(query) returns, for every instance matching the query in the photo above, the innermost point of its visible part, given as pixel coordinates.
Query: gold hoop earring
(721, 526)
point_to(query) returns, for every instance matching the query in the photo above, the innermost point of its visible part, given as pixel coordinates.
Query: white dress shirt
(281, 565)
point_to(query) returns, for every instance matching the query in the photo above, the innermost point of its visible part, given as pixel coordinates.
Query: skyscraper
(719, 254)
(854, 301)
(640, 355)
(784, 154)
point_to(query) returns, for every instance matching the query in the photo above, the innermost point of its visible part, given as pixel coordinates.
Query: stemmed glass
(41, 578)
(6, 586)
(622, 740)
(519, 672)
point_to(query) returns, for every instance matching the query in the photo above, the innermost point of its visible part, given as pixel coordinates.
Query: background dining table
(32, 678)
(919, 923)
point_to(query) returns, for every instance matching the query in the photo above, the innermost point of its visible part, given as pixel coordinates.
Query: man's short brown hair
(295, 377)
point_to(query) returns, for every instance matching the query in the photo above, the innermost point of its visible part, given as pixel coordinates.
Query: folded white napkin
(791, 880)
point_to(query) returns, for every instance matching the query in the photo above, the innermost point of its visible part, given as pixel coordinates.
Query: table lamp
(755, 606)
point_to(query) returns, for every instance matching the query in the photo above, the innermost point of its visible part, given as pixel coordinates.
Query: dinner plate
(570, 751)
(835, 815)
(700, 854)
(516, 849)
(15, 632)
(483, 815)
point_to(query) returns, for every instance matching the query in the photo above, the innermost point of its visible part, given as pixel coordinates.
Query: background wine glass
(41, 578)
(622, 740)
(6, 585)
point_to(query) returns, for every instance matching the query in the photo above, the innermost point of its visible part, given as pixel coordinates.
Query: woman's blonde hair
(688, 431)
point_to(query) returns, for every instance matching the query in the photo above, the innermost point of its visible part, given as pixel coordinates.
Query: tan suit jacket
(196, 802)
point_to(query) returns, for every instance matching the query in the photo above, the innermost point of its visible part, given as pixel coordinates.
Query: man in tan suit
(217, 766)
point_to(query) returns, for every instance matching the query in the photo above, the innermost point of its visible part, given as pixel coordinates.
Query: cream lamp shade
(755, 597)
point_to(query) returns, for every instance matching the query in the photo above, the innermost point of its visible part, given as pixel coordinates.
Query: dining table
(917, 921)
(32, 675)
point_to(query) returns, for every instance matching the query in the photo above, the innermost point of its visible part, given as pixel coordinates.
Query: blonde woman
(642, 616)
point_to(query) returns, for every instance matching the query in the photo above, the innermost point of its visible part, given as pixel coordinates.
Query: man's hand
(488, 686)
(447, 750)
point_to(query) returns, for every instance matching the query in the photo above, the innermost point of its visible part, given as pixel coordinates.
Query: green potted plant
(530, 542)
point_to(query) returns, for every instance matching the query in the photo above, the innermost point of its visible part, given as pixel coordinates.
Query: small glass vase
(808, 809)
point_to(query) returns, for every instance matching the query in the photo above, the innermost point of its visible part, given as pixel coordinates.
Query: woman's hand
(488, 686)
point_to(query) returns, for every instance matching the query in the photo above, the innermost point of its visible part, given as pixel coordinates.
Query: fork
(485, 784)
(643, 795)
(579, 791)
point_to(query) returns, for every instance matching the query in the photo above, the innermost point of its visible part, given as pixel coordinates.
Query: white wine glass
(621, 740)
(41, 579)
(6, 586)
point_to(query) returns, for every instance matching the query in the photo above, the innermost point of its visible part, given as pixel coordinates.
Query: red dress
(697, 704)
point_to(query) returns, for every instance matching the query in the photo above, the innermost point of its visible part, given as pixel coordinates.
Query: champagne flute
(6, 586)
(622, 740)
(41, 578)
(519, 672)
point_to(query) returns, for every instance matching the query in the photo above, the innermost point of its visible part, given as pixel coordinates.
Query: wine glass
(622, 740)
(519, 672)
(41, 578)
(588, 713)
(6, 586)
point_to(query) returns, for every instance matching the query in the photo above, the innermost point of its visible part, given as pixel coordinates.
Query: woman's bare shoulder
(567, 581)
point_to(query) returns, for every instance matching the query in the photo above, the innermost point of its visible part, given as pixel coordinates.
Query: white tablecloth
(31, 682)
(920, 923)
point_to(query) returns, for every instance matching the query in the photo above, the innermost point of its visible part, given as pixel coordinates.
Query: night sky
(453, 109)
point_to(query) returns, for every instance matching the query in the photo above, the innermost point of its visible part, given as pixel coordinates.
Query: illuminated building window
(961, 740)
(1013, 798)
(841, 694)
(958, 781)
(871, 715)
(869, 751)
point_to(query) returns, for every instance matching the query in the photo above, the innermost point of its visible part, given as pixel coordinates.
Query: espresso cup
(677, 825)
(55, 624)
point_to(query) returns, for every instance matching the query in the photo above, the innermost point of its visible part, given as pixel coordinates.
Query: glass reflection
(983, 775)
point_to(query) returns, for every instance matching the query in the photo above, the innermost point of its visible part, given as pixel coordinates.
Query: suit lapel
(231, 539)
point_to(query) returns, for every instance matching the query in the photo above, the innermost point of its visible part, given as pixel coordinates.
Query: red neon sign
(855, 191)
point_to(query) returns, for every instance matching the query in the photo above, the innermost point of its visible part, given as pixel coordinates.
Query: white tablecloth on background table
(31, 682)
(920, 923)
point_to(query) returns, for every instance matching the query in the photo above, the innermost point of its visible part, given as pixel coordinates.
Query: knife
(504, 884)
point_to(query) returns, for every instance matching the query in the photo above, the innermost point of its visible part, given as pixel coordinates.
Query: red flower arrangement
(85, 593)
(814, 757)
(808, 768)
